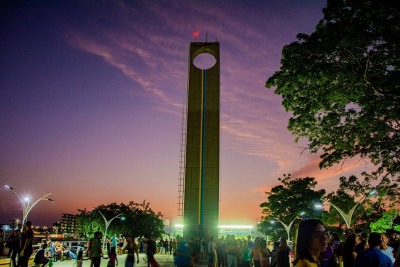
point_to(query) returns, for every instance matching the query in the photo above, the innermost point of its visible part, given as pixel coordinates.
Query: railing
(75, 245)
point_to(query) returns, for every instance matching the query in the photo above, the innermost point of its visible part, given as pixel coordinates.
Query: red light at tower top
(195, 35)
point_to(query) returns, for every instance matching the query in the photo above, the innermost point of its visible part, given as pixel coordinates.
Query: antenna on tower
(195, 35)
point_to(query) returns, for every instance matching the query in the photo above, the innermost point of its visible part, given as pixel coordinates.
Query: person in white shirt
(386, 249)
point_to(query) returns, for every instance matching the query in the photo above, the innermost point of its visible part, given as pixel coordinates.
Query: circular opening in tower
(204, 61)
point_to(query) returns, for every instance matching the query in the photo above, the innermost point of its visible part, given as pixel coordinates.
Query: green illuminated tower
(201, 191)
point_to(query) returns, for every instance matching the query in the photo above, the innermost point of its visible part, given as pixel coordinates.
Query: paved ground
(162, 259)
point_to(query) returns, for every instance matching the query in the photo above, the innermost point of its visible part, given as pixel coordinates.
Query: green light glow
(225, 226)
(236, 226)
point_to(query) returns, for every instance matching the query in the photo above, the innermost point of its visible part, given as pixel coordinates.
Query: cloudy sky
(91, 97)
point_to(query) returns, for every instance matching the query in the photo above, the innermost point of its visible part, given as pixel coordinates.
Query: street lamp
(107, 224)
(348, 216)
(287, 227)
(26, 205)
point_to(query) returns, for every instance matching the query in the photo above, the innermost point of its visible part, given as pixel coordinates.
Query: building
(68, 225)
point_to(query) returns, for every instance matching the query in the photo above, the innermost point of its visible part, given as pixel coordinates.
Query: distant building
(239, 231)
(68, 225)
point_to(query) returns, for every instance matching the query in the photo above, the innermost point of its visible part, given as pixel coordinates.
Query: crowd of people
(245, 252)
(19, 244)
(313, 246)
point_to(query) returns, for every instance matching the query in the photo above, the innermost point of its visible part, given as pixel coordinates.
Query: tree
(352, 193)
(87, 223)
(287, 201)
(367, 200)
(144, 222)
(342, 84)
(139, 220)
(386, 222)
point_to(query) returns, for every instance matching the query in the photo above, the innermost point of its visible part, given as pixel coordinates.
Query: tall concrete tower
(201, 191)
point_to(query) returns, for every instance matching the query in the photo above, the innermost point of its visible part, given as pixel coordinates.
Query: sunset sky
(91, 96)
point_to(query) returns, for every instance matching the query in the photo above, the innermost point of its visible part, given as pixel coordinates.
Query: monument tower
(201, 187)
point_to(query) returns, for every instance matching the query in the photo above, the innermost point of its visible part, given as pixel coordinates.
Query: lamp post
(348, 216)
(26, 205)
(287, 227)
(107, 224)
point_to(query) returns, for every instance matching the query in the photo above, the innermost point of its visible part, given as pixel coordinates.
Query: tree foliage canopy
(386, 222)
(139, 220)
(296, 198)
(288, 200)
(342, 84)
(293, 196)
(371, 200)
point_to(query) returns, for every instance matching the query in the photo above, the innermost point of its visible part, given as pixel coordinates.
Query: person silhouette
(26, 249)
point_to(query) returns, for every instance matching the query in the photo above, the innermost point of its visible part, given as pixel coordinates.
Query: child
(112, 258)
